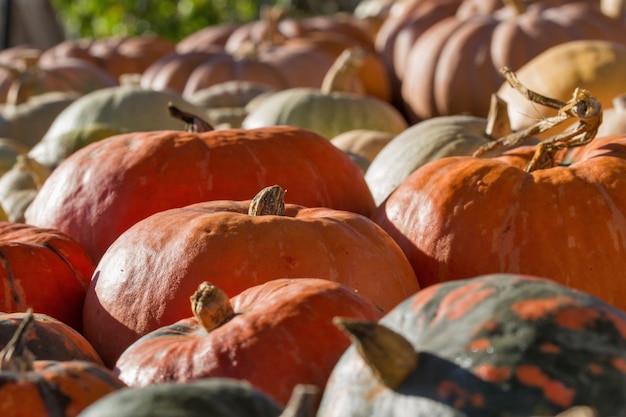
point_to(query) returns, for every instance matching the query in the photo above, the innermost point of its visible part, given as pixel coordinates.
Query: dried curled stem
(583, 107)
(193, 123)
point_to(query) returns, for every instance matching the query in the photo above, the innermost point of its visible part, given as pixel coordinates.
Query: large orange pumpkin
(104, 188)
(144, 279)
(460, 217)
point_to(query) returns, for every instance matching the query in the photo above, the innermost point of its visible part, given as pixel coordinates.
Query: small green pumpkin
(210, 397)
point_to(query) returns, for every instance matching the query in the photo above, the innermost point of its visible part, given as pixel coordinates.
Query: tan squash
(596, 65)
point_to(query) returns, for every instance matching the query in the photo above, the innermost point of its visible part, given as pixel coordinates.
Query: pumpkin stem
(341, 73)
(15, 356)
(271, 15)
(211, 306)
(391, 357)
(193, 123)
(582, 106)
(38, 172)
(498, 122)
(517, 6)
(304, 401)
(269, 201)
(619, 102)
(26, 76)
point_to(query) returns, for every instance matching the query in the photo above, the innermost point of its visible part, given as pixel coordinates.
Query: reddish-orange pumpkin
(104, 188)
(43, 388)
(275, 336)
(43, 269)
(461, 217)
(49, 338)
(144, 279)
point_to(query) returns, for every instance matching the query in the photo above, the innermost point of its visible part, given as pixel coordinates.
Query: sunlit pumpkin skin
(459, 217)
(173, 251)
(55, 388)
(452, 67)
(328, 114)
(49, 338)
(267, 343)
(43, 269)
(421, 143)
(102, 189)
(215, 397)
(493, 345)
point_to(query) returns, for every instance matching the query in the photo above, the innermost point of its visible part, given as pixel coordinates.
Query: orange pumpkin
(48, 388)
(173, 251)
(103, 188)
(262, 336)
(43, 269)
(460, 217)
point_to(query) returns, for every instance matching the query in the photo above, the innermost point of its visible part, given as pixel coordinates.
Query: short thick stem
(269, 201)
(211, 306)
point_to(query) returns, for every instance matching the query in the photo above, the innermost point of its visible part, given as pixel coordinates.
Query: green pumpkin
(125, 107)
(490, 346)
(330, 110)
(214, 397)
(53, 149)
(27, 122)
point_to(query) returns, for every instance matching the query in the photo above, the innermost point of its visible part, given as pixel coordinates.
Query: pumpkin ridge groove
(10, 278)
(75, 273)
(52, 401)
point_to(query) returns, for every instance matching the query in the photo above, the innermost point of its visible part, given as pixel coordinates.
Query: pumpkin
(238, 338)
(27, 122)
(103, 188)
(331, 109)
(173, 251)
(453, 66)
(172, 71)
(430, 140)
(362, 145)
(116, 55)
(48, 388)
(614, 121)
(215, 397)
(478, 216)
(225, 103)
(43, 269)
(48, 339)
(124, 107)
(19, 186)
(491, 345)
(31, 76)
(595, 65)
(216, 34)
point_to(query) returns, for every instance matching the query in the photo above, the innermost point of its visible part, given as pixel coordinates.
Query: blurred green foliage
(173, 19)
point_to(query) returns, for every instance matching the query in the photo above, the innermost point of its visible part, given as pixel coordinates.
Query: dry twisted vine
(583, 106)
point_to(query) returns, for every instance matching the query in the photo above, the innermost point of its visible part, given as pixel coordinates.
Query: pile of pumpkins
(413, 209)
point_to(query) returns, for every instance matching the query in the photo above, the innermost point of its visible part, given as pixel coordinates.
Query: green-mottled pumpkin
(209, 397)
(493, 345)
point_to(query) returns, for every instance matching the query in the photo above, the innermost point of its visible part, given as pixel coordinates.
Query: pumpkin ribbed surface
(107, 186)
(493, 345)
(44, 269)
(459, 217)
